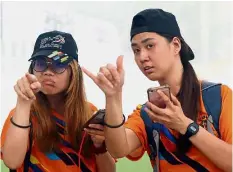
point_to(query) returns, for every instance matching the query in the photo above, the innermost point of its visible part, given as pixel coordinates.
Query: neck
(57, 103)
(174, 78)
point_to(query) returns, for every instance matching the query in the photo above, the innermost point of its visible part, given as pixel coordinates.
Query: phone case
(155, 98)
(97, 118)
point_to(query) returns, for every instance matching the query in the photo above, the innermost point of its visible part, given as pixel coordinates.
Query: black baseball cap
(55, 41)
(161, 22)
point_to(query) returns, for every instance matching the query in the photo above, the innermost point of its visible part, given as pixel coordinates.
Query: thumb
(119, 63)
(31, 78)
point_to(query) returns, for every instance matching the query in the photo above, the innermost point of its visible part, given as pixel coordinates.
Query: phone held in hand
(155, 98)
(97, 118)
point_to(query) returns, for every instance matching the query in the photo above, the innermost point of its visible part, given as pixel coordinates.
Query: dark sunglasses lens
(59, 67)
(39, 65)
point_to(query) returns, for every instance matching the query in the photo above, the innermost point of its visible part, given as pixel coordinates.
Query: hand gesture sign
(110, 78)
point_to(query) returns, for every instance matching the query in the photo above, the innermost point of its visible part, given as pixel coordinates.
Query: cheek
(161, 58)
(63, 81)
(37, 74)
(137, 61)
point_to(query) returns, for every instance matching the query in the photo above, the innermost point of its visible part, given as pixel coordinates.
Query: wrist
(186, 123)
(100, 149)
(23, 103)
(116, 96)
(22, 113)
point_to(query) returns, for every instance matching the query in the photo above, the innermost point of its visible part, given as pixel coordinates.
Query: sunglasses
(43, 63)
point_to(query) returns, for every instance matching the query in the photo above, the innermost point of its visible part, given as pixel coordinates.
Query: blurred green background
(123, 165)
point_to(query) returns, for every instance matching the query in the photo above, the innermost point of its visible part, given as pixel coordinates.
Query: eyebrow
(143, 41)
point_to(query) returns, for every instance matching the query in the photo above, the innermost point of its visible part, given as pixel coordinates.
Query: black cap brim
(41, 53)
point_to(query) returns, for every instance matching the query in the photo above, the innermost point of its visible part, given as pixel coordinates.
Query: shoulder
(226, 91)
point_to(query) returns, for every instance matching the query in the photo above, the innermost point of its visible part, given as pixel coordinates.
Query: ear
(176, 45)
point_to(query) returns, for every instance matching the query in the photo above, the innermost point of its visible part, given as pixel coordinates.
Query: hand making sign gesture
(110, 78)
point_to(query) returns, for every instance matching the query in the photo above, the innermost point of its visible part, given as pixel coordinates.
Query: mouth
(48, 82)
(148, 69)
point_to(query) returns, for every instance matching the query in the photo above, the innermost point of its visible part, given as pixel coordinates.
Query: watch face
(193, 129)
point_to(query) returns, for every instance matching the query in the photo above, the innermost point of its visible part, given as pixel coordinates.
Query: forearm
(105, 163)
(218, 151)
(116, 140)
(16, 142)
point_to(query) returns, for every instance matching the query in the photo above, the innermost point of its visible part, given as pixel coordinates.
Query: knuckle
(109, 65)
(102, 68)
(24, 78)
(166, 99)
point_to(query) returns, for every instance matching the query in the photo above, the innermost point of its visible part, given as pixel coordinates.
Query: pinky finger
(19, 93)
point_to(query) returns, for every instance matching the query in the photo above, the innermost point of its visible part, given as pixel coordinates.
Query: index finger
(91, 75)
(155, 109)
(175, 100)
(31, 78)
(96, 126)
(165, 98)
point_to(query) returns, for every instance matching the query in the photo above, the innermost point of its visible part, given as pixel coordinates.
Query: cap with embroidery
(54, 42)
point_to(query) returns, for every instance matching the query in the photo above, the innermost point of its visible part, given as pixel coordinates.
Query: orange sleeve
(225, 121)
(5, 129)
(93, 107)
(136, 124)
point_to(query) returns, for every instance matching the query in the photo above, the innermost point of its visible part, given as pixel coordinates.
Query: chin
(153, 77)
(49, 92)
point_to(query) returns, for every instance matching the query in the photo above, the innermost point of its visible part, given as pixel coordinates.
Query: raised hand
(27, 86)
(110, 78)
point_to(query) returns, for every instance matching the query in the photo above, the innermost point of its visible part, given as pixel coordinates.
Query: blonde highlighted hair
(77, 112)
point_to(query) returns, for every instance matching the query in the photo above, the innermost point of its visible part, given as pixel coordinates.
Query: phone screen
(97, 118)
(155, 98)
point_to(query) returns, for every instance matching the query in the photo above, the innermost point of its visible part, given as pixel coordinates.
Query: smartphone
(155, 98)
(97, 118)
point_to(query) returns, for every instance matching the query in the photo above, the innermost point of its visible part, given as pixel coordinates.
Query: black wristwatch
(192, 129)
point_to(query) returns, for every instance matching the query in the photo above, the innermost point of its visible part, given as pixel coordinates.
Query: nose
(143, 56)
(48, 71)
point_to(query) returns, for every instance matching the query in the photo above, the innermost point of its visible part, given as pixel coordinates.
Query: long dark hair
(189, 93)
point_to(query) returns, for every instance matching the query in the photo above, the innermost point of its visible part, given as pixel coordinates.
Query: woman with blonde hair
(44, 132)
